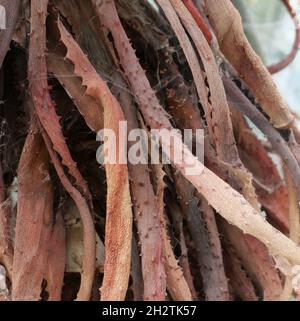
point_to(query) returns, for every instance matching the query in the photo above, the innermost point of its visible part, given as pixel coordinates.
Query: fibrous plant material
(199, 19)
(227, 152)
(243, 104)
(146, 209)
(269, 187)
(35, 226)
(227, 24)
(241, 283)
(176, 282)
(201, 223)
(45, 108)
(223, 229)
(6, 244)
(294, 228)
(90, 110)
(177, 217)
(119, 214)
(248, 220)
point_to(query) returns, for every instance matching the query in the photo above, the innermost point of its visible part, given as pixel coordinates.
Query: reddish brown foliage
(228, 230)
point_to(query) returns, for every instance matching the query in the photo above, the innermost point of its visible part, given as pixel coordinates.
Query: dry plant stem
(38, 86)
(218, 291)
(12, 11)
(239, 213)
(291, 56)
(254, 256)
(183, 260)
(118, 229)
(202, 226)
(238, 279)
(146, 208)
(294, 227)
(211, 266)
(175, 279)
(6, 246)
(229, 203)
(227, 24)
(183, 110)
(50, 122)
(287, 289)
(35, 228)
(199, 20)
(146, 21)
(227, 151)
(137, 286)
(237, 99)
(187, 115)
(144, 203)
(192, 60)
(91, 111)
(220, 116)
(89, 237)
(56, 259)
(268, 183)
(180, 108)
(240, 102)
(217, 112)
(176, 282)
(259, 266)
(34, 215)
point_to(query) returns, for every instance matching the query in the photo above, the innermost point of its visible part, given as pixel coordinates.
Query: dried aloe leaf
(228, 202)
(176, 282)
(240, 282)
(146, 208)
(227, 24)
(119, 214)
(87, 106)
(35, 227)
(55, 141)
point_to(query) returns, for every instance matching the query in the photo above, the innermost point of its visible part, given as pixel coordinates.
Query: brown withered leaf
(222, 126)
(271, 191)
(36, 231)
(55, 141)
(145, 206)
(239, 281)
(259, 265)
(176, 282)
(228, 202)
(119, 214)
(177, 224)
(227, 24)
(87, 106)
(202, 226)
